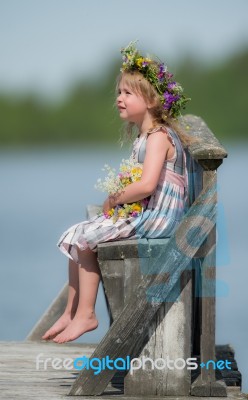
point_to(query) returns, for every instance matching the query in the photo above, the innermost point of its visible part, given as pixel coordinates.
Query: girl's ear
(153, 102)
(151, 105)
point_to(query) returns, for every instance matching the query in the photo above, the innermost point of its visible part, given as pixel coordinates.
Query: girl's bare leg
(85, 318)
(72, 303)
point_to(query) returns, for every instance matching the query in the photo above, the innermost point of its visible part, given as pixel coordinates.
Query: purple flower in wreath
(169, 99)
(161, 74)
(169, 75)
(171, 85)
(145, 63)
(161, 77)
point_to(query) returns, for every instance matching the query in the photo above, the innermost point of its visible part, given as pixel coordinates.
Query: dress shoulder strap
(179, 161)
(164, 128)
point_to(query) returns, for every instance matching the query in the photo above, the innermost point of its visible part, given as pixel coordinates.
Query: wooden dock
(21, 380)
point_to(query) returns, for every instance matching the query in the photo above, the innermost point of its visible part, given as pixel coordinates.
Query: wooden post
(206, 384)
(169, 334)
(209, 154)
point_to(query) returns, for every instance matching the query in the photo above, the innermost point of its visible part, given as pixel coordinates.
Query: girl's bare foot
(79, 325)
(59, 326)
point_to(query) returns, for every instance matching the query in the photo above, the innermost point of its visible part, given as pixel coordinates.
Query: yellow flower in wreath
(139, 61)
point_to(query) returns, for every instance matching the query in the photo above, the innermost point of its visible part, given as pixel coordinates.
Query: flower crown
(170, 92)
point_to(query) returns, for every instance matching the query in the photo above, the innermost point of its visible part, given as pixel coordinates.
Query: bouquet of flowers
(129, 172)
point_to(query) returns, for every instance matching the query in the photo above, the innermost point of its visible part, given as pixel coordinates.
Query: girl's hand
(107, 205)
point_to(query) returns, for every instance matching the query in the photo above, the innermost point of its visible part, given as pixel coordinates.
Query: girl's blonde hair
(140, 85)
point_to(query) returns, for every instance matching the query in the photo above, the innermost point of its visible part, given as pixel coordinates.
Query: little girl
(149, 100)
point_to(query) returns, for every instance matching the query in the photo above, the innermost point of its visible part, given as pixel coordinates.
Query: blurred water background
(59, 127)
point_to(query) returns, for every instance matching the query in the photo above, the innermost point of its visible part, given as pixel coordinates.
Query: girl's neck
(147, 127)
(146, 124)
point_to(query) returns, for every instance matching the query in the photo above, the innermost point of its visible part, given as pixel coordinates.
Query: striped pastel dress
(159, 219)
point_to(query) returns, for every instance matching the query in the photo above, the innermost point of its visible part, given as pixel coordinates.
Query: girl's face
(131, 105)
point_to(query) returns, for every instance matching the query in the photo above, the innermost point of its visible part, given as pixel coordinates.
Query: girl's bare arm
(157, 148)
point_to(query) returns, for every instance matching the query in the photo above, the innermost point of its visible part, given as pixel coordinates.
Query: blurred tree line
(87, 114)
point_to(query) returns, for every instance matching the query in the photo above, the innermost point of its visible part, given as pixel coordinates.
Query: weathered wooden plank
(133, 320)
(206, 384)
(208, 147)
(168, 337)
(113, 283)
(118, 250)
(20, 379)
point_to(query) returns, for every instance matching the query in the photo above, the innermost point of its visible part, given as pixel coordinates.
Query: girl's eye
(125, 91)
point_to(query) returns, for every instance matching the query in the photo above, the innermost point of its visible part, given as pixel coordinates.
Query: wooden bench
(161, 292)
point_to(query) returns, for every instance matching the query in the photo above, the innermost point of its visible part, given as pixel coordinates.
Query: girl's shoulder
(166, 130)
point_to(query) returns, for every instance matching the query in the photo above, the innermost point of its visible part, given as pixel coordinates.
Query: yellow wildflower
(136, 178)
(121, 213)
(111, 212)
(139, 61)
(136, 170)
(136, 207)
